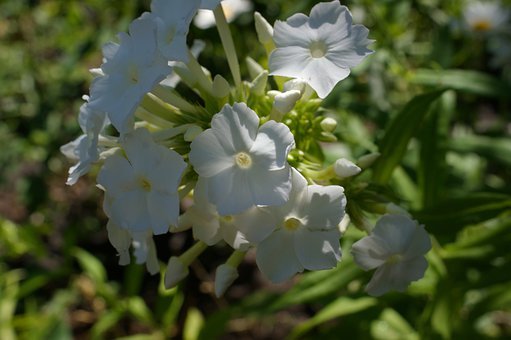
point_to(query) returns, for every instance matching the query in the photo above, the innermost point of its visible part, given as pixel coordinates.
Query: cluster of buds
(246, 153)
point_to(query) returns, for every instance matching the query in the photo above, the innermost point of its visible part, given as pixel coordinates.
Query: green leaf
(463, 80)
(432, 161)
(450, 215)
(193, 324)
(398, 134)
(392, 325)
(90, 265)
(340, 307)
(498, 149)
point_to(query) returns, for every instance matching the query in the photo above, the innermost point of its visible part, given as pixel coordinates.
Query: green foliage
(428, 99)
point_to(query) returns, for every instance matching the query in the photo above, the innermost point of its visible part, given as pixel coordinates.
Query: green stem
(152, 118)
(170, 96)
(236, 258)
(191, 254)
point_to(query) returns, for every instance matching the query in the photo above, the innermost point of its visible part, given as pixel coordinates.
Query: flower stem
(228, 43)
(191, 254)
(170, 96)
(235, 259)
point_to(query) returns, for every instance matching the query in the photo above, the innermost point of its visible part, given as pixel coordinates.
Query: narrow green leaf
(449, 215)
(392, 325)
(90, 265)
(463, 80)
(498, 149)
(432, 157)
(193, 324)
(398, 134)
(340, 307)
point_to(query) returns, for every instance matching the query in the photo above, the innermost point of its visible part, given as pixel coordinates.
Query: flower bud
(367, 160)
(254, 69)
(258, 85)
(345, 168)
(295, 84)
(286, 101)
(221, 87)
(176, 271)
(224, 277)
(192, 132)
(328, 124)
(263, 28)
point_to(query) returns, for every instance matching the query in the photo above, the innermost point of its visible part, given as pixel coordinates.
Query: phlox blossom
(396, 247)
(141, 188)
(131, 69)
(243, 164)
(319, 49)
(307, 233)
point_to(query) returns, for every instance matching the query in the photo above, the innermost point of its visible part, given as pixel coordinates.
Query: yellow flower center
(227, 218)
(243, 160)
(133, 74)
(144, 184)
(317, 49)
(396, 258)
(292, 224)
(482, 26)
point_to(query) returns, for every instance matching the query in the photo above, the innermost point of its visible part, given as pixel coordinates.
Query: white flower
(307, 234)
(396, 247)
(85, 148)
(142, 243)
(319, 49)
(130, 70)
(232, 9)
(141, 190)
(485, 16)
(239, 231)
(244, 165)
(173, 21)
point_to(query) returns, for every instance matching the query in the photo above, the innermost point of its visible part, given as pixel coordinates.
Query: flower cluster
(247, 153)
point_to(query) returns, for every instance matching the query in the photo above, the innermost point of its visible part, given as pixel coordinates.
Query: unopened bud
(192, 132)
(224, 277)
(221, 87)
(285, 102)
(176, 271)
(295, 84)
(328, 124)
(258, 86)
(345, 168)
(367, 160)
(263, 28)
(254, 69)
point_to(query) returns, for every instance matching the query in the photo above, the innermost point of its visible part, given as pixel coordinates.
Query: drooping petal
(317, 250)
(121, 240)
(276, 257)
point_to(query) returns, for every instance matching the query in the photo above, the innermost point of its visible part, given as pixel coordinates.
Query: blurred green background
(59, 277)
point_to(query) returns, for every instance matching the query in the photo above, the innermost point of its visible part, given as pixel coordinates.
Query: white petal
(276, 257)
(130, 211)
(370, 252)
(230, 191)
(268, 187)
(208, 155)
(322, 75)
(396, 230)
(324, 206)
(419, 244)
(272, 145)
(327, 12)
(117, 175)
(396, 276)
(317, 250)
(293, 32)
(121, 240)
(289, 61)
(255, 223)
(238, 125)
(163, 210)
(350, 51)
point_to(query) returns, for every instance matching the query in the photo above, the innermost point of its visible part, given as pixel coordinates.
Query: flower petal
(317, 250)
(208, 155)
(276, 257)
(272, 145)
(237, 125)
(325, 206)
